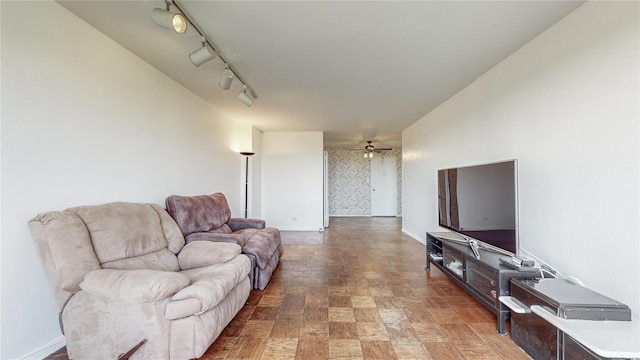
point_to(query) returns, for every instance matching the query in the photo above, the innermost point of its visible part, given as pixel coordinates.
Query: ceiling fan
(370, 148)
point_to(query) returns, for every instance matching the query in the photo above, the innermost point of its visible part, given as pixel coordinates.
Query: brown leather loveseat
(208, 217)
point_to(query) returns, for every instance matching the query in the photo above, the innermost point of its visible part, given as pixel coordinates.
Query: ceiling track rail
(215, 48)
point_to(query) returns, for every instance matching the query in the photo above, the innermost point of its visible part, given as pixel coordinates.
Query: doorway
(384, 186)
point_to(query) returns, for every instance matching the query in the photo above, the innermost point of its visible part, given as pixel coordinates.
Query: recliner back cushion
(64, 246)
(200, 213)
(130, 236)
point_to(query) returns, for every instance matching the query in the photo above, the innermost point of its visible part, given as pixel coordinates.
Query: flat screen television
(481, 203)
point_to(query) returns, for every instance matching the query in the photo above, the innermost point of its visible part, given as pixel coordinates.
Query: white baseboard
(45, 350)
(365, 216)
(415, 237)
(336, 215)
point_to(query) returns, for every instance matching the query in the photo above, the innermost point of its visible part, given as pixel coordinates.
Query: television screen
(480, 202)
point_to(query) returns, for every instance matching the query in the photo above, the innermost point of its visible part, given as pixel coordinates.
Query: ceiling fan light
(369, 147)
(245, 98)
(202, 55)
(226, 79)
(169, 20)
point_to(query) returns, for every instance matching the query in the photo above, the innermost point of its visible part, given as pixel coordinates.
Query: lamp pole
(246, 154)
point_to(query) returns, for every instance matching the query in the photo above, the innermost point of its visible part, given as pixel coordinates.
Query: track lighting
(226, 79)
(169, 20)
(202, 55)
(245, 97)
(178, 21)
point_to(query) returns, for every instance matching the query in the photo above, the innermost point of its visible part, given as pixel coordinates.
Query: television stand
(485, 278)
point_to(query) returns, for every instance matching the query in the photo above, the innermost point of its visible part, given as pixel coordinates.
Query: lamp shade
(202, 55)
(245, 98)
(226, 79)
(169, 20)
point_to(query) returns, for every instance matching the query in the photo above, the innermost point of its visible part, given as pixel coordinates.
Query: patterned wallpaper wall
(349, 182)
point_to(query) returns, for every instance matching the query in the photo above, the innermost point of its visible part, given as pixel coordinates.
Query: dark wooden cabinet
(486, 278)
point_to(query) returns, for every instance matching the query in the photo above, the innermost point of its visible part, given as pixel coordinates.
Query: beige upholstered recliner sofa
(121, 273)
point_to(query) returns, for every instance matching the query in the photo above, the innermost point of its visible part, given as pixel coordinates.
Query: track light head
(202, 55)
(226, 79)
(169, 20)
(245, 98)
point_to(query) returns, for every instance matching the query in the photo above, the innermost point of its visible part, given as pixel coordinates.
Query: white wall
(85, 122)
(566, 106)
(292, 177)
(255, 185)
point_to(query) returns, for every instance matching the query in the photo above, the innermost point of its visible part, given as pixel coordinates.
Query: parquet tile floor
(359, 290)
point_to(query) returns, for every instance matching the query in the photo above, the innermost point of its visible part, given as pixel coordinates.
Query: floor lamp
(246, 181)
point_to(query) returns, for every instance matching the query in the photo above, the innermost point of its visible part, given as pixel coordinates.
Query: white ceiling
(356, 70)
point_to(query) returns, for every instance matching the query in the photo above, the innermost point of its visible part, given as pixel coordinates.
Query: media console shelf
(486, 279)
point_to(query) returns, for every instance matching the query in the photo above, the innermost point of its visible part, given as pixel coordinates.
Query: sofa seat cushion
(263, 244)
(133, 286)
(161, 260)
(224, 229)
(248, 232)
(246, 235)
(211, 284)
(203, 253)
(239, 239)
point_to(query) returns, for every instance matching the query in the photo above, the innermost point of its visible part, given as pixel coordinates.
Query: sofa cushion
(177, 309)
(236, 224)
(247, 232)
(211, 284)
(161, 260)
(200, 213)
(63, 239)
(203, 253)
(123, 230)
(224, 229)
(217, 237)
(263, 244)
(133, 286)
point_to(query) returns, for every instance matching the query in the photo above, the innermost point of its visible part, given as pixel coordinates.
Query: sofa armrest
(241, 223)
(203, 253)
(133, 286)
